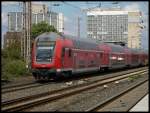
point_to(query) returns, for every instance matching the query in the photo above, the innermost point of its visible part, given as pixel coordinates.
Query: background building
(114, 24)
(12, 38)
(15, 20)
(39, 13)
(39, 8)
(134, 29)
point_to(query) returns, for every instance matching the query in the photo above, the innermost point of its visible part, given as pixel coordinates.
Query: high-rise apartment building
(39, 13)
(39, 8)
(12, 38)
(113, 24)
(134, 29)
(52, 18)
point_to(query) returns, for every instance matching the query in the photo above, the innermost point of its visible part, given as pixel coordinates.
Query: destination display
(45, 43)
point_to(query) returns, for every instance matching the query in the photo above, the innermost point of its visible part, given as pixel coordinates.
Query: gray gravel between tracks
(19, 80)
(50, 87)
(86, 99)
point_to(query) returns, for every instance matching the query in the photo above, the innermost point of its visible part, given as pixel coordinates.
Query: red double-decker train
(55, 55)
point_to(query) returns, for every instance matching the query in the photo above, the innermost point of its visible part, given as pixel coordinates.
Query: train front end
(45, 60)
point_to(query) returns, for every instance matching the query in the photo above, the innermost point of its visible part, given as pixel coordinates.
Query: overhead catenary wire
(78, 27)
(72, 5)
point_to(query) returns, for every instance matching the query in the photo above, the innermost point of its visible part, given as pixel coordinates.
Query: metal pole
(29, 45)
(78, 27)
(24, 30)
(27, 21)
(28, 26)
(27, 31)
(22, 38)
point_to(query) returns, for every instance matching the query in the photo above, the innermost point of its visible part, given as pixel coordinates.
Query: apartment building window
(39, 17)
(19, 21)
(33, 18)
(12, 21)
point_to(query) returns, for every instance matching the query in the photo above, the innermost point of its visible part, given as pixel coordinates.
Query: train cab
(45, 55)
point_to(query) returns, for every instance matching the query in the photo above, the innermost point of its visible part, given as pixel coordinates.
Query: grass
(132, 78)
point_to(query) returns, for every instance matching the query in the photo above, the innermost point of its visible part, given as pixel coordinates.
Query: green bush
(12, 62)
(16, 67)
(12, 52)
(13, 68)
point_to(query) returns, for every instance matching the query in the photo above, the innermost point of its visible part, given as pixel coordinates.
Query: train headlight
(58, 70)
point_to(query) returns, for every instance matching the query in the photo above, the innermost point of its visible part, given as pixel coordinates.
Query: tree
(40, 28)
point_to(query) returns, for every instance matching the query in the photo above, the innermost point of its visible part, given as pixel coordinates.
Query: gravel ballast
(86, 99)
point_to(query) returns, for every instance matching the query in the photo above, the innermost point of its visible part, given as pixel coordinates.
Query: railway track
(12, 88)
(34, 100)
(102, 105)
(21, 87)
(18, 85)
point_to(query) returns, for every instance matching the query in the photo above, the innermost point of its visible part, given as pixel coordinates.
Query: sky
(72, 10)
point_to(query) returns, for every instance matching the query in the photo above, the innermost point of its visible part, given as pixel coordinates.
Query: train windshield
(45, 51)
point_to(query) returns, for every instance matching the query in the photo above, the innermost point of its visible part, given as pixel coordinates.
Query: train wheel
(106, 69)
(35, 76)
(56, 76)
(67, 74)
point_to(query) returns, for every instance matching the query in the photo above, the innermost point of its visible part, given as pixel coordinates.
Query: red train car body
(56, 55)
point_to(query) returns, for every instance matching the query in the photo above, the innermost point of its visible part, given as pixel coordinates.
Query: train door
(113, 59)
(129, 59)
(74, 60)
(126, 59)
(105, 59)
(67, 58)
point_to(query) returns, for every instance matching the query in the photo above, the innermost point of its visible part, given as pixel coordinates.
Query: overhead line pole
(21, 35)
(26, 39)
(79, 27)
(24, 30)
(29, 34)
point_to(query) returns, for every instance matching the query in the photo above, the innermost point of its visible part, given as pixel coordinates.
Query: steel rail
(113, 98)
(18, 85)
(64, 93)
(21, 87)
(54, 91)
(7, 89)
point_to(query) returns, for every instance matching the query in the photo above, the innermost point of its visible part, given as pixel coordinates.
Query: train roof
(83, 43)
(53, 36)
(86, 43)
(89, 40)
(121, 43)
(116, 48)
(47, 36)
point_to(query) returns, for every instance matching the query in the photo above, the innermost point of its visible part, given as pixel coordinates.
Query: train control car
(55, 55)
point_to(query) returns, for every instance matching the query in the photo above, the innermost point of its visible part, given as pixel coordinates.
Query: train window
(63, 52)
(70, 52)
(101, 55)
(98, 55)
